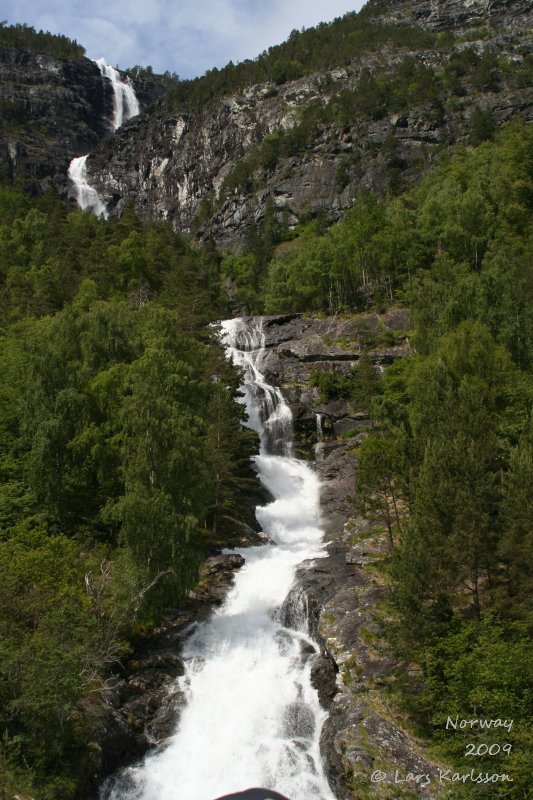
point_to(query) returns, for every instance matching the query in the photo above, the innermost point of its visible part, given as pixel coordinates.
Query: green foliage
(166, 79)
(240, 274)
(14, 776)
(47, 250)
(11, 114)
(483, 125)
(331, 385)
(382, 92)
(359, 385)
(122, 459)
(516, 542)
(378, 464)
(47, 636)
(485, 75)
(466, 404)
(24, 37)
(353, 266)
(473, 225)
(483, 671)
(450, 472)
(229, 449)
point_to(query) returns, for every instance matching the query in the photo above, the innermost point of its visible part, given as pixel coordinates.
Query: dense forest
(453, 451)
(123, 463)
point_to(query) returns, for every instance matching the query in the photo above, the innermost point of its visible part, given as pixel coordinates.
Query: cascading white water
(87, 197)
(252, 716)
(125, 104)
(268, 413)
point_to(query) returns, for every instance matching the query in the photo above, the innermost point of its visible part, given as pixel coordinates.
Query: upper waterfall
(126, 104)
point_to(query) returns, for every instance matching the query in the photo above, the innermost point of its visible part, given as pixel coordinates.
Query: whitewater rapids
(252, 717)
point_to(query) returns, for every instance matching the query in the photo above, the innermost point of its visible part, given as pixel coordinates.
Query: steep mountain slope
(376, 120)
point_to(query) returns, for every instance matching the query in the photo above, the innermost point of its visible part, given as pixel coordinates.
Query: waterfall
(252, 716)
(268, 412)
(125, 104)
(319, 432)
(87, 198)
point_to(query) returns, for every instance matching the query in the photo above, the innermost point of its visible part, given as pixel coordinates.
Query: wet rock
(216, 577)
(222, 563)
(294, 611)
(297, 347)
(324, 678)
(298, 721)
(307, 650)
(164, 720)
(336, 469)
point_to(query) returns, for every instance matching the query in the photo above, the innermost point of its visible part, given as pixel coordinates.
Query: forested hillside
(123, 457)
(123, 463)
(454, 449)
(323, 47)
(25, 37)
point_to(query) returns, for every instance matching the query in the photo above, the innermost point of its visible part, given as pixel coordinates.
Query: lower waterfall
(252, 716)
(87, 197)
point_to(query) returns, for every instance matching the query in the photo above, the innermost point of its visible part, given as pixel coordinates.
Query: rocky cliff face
(56, 109)
(173, 167)
(52, 110)
(299, 346)
(460, 15)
